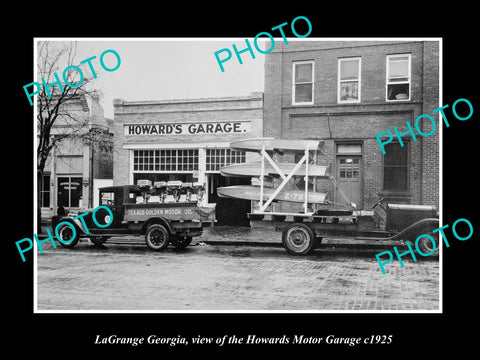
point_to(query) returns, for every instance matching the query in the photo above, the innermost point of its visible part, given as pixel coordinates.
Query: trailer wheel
(157, 237)
(425, 245)
(65, 233)
(298, 239)
(181, 242)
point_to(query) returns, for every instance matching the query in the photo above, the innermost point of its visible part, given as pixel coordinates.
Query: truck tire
(65, 233)
(181, 242)
(426, 247)
(157, 237)
(298, 239)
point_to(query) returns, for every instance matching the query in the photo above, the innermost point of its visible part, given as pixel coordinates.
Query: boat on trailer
(254, 169)
(302, 231)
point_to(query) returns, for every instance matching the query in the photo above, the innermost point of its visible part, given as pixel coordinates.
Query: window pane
(398, 91)
(349, 69)
(396, 155)
(349, 90)
(75, 191)
(303, 93)
(303, 73)
(106, 198)
(217, 158)
(46, 182)
(395, 179)
(62, 191)
(395, 167)
(398, 67)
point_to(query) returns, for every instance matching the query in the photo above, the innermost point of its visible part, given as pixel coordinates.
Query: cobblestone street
(212, 275)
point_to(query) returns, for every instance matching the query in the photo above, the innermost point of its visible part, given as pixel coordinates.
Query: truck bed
(181, 211)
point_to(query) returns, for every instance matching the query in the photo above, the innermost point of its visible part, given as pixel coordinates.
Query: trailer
(320, 217)
(165, 213)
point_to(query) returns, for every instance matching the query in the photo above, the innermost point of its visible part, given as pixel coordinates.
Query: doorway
(228, 211)
(349, 177)
(69, 191)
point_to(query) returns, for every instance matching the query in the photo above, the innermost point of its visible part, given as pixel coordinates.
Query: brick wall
(431, 148)
(328, 120)
(102, 164)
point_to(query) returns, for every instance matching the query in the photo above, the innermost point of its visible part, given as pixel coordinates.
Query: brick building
(345, 92)
(186, 140)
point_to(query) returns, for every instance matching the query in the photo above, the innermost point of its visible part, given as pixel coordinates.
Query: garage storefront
(188, 141)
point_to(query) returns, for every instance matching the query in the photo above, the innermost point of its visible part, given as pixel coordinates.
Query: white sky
(170, 69)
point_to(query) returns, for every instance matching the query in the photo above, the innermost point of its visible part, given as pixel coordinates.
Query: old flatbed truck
(142, 211)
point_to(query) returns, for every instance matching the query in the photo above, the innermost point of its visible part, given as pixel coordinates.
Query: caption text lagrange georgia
(240, 340)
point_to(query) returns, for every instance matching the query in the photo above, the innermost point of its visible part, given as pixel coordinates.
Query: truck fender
(417, 228)
(76, 222)
(157, 220)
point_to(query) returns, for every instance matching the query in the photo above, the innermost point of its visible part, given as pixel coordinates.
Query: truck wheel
(157, 237)
(181, 242)
(65, 233)
(298, 239)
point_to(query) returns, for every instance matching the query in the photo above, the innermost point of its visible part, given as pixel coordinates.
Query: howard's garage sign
(229, 127)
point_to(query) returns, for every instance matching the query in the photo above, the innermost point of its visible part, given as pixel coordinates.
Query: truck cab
(115, 198)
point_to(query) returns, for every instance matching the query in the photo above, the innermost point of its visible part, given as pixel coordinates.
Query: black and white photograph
(289, 183)
(266, 190)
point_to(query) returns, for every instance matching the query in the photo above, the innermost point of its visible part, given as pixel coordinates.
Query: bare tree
(56, 118)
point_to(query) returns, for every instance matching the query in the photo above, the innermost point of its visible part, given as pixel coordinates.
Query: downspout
(90, 191)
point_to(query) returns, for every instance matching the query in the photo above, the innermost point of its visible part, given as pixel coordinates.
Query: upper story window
(398, 77)
(302, 88)
(349, 83)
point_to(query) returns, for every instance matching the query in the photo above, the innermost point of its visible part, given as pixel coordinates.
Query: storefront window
(45, 191)
(174, 160)
(69, 191)
(154, 177)
(218, 158)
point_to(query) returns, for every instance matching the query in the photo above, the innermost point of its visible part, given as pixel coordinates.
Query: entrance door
(228, 211)
(69, 191)
(349, 178)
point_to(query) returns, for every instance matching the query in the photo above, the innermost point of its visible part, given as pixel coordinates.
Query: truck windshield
(107, 198)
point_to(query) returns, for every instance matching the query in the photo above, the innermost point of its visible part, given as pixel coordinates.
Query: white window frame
(165, 171)
(359, 80)
(232, 155)
(312, 82)
(409, 82)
